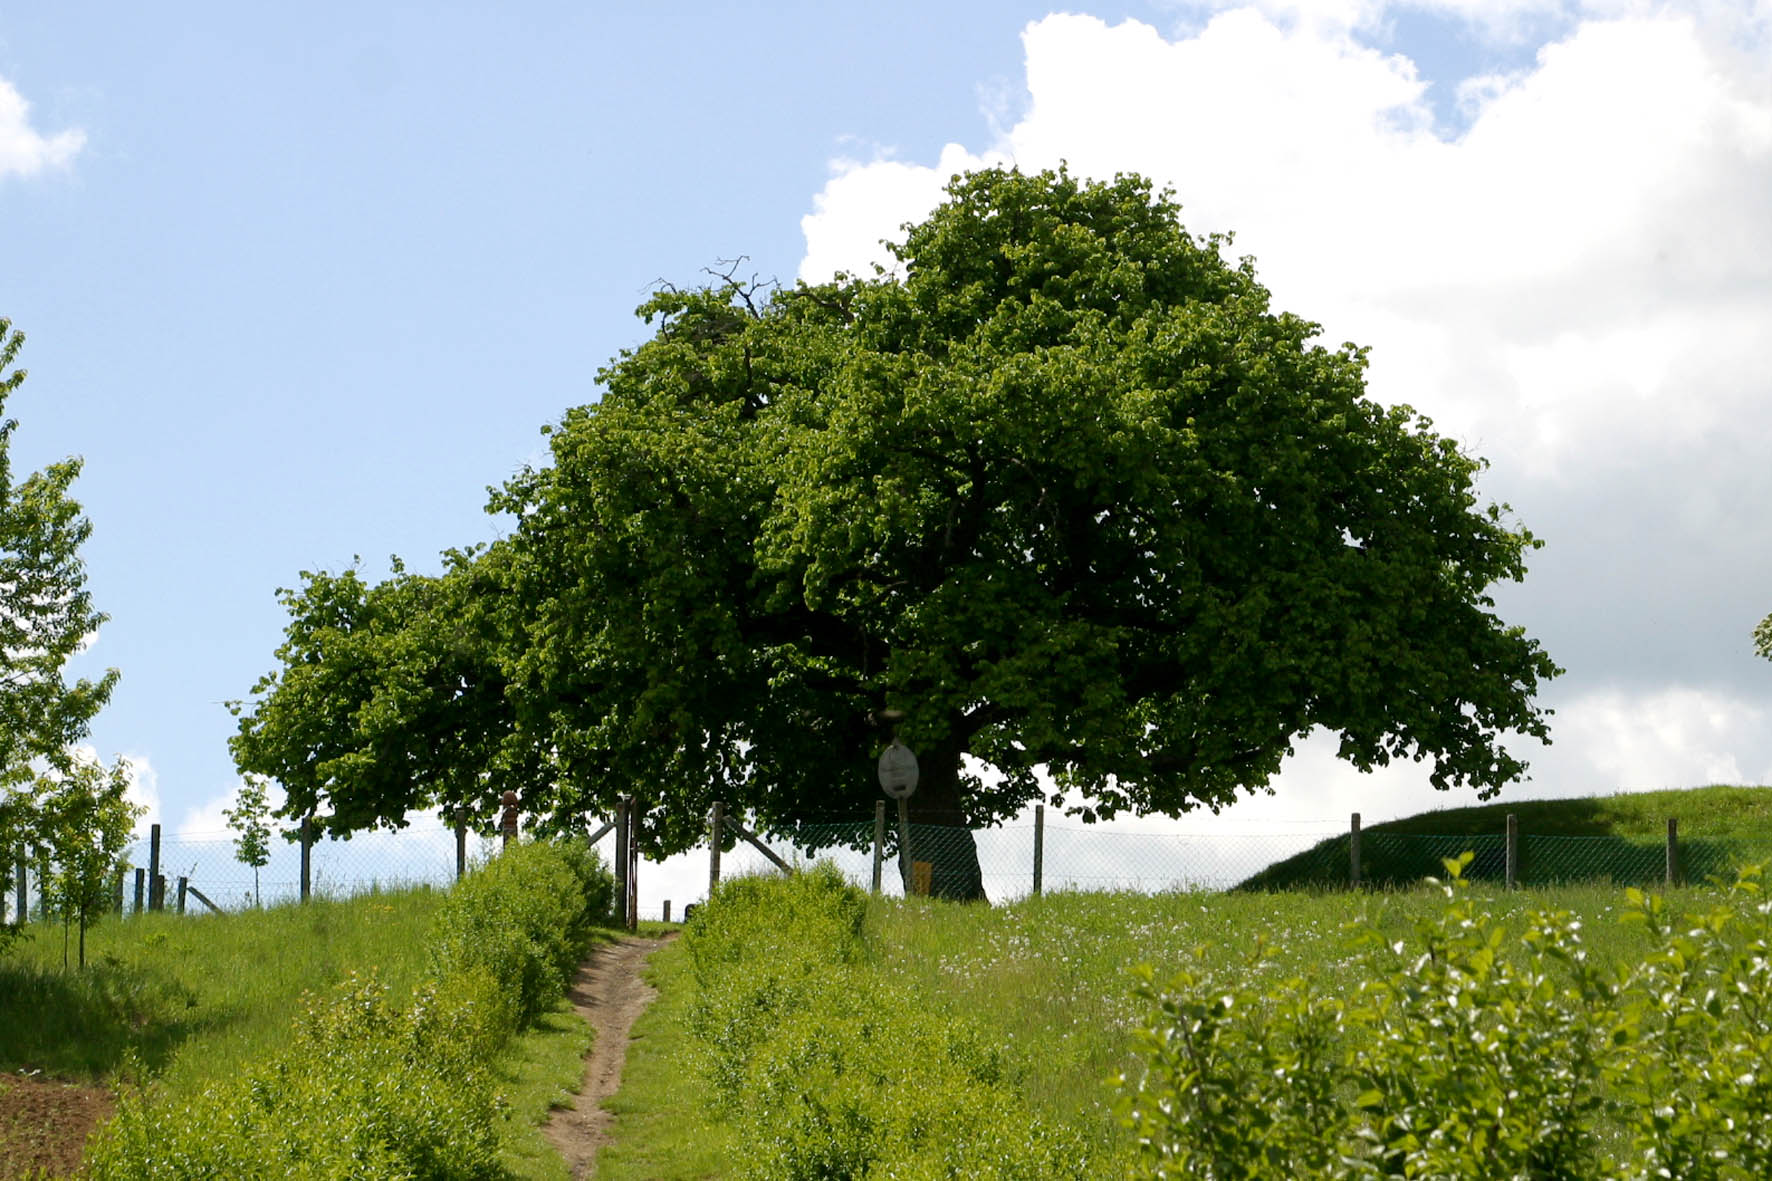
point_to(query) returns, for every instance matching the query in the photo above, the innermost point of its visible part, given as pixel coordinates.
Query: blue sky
(300, 283)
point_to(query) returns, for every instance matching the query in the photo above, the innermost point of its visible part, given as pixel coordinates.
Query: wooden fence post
(19, 885)
(1673, 852)
(716, 838)
(1513, 850)
(879, 840)
(633, 864)
(117, 892)
(157, 893)
(461, 843)
(508, 823)
(1353, 852)
(1039, 845)
(183, 883)
(621, 861)
(307, 857)
(141, 885)
(155, 901)
(667, 910)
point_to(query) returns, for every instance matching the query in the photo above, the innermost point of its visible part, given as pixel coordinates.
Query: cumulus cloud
(1575, 285)
(24, 151)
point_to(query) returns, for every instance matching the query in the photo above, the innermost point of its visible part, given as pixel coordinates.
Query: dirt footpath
(609, 993)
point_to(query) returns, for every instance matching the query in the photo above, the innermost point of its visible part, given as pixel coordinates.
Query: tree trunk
(940, 832)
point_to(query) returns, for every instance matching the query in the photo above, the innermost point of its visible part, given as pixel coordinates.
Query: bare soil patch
(44, 1123)
(609, 993)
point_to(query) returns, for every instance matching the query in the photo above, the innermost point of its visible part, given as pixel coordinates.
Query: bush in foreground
(1461, 1057)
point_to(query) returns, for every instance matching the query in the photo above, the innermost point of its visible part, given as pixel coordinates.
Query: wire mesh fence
(418, 855)
(1014, 861)
(1003, 863)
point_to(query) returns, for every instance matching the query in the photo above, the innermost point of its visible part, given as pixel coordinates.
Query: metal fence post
(1673, 852)
(1039, 845)
(154, 900)
(879, 840)
(1353, 852)
(1513, 850)
(716, 837)
(307, 858)
(904, 845)
(461, 843)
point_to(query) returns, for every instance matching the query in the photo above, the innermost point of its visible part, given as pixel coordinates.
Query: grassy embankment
(1620, 838)
(1049, 980)
(192, 1003)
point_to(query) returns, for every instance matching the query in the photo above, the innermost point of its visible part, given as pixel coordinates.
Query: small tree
(247, 817)
(84, 824)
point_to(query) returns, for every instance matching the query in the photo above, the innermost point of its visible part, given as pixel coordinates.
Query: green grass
(1051, 976)
(540, 1073)
(1619, 839)
(1050, 980)
(661, 1130)
(195, 999)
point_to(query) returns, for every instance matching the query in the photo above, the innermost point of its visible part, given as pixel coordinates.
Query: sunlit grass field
(193, 999)
(1051, 980)
(1052, 976)
(186, 1002)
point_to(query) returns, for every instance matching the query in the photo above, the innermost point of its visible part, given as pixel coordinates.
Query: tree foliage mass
(1063, 489)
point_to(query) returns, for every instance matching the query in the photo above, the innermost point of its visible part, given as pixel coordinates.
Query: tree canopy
(46, 616)
(1062, 489)
(389, 698)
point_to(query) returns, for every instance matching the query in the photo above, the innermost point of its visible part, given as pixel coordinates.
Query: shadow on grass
(80, 1024)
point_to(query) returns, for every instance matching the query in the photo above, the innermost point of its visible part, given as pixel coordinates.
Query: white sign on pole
(898, 771)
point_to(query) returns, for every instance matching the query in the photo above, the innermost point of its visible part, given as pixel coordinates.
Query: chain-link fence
(215, 878)
(1004, 863)
(1017, 860)
(1072, 857)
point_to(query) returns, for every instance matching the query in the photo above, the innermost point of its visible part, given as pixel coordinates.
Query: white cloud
(1676, 737)
(208, 820)
(1577, 286)
(24, 151)
(864, 204)
(143, 788)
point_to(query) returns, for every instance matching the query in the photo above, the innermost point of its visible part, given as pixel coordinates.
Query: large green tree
(1064, 491)
(46, 615)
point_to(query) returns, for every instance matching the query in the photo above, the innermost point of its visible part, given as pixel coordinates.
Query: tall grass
(1051, 982)
(195, 999)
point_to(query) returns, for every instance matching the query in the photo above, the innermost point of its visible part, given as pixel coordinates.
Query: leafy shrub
(1464, 1055)
(524, 917)
(363, 1090)
(825, 1072)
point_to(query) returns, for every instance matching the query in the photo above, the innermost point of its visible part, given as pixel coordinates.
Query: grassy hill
(1618, 838)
